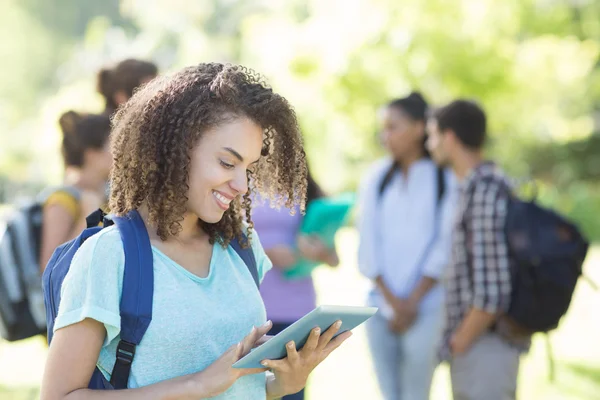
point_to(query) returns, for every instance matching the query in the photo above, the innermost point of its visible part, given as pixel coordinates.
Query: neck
(86, 181)
(466, 161)
(190, 229)
(406, 162)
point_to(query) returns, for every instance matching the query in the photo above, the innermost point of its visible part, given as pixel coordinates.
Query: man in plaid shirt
(483, 364)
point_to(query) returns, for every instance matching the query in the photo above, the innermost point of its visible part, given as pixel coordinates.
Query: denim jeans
(404, 363)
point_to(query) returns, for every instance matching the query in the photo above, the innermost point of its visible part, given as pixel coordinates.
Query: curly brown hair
(156, 130)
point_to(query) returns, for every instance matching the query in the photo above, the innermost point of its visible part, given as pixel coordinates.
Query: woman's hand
(291, 373)
(220, 375)
(313, 248)
(405, 315)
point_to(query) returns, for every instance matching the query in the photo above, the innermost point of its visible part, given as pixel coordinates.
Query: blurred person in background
(288, 300)
(405, 223)
(118, 83)
(87, 161)
(483, 363)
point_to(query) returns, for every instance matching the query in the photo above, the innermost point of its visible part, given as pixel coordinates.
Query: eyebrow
(236, 154)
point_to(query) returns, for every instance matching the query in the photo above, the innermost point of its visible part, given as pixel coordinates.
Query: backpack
(547, 252)
(22, 312)
(137, 291)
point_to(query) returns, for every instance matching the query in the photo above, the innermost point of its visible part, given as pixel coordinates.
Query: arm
(71, 361)
(423, 287)
(57, 225)
(385, 291)
(75, 349)
(313, 248)
(368, 263)
(491, 268)
(282, 257)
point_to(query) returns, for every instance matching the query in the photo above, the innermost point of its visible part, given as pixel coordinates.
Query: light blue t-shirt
(194, 320)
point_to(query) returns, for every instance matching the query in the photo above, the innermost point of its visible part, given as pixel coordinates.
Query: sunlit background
(533, 64)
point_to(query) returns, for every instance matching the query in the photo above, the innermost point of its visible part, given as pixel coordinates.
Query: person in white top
(405, 224)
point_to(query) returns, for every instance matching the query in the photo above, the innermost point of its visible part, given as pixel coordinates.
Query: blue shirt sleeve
(92, 287)
(263, 263)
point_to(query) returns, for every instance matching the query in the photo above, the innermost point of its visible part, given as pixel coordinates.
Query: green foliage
(533, 65)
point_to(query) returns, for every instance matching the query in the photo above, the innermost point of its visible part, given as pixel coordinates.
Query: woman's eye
(226, 165)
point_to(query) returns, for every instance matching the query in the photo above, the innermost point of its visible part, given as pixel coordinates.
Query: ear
(450, 138)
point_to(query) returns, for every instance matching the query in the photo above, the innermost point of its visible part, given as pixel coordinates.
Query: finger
(313, 340)
(337, 341)
(248, 341)
(292, 353)
(234, 353)
(276, 365)
(254, 335)
(329, 334)
(263, 340)
(263, 330)
(251, 371)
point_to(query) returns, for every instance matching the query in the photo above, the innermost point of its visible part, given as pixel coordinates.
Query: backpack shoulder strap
(137, 293)
(247, 255)
(441, 185)
(387, 178)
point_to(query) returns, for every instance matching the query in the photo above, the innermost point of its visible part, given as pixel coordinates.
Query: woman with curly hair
(190, 151)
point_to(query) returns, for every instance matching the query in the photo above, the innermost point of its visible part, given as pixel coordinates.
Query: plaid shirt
(479, 274)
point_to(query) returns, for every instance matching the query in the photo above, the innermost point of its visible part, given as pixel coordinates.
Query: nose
(240, 183)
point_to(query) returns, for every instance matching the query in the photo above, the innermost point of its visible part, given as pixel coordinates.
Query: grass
(348, 373)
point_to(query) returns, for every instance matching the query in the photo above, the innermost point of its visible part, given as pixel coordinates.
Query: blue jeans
(404, 363)
(278, 327)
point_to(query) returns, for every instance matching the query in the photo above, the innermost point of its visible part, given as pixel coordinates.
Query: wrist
(185, 387)
(195, 386)
(274, 388)
(414, 300)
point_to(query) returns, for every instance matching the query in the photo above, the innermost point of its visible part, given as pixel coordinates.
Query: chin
(212, 218)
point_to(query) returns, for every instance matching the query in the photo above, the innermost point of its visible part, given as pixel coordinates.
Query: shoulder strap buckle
(125, 352)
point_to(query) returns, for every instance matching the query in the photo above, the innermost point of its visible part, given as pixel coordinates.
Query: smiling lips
(223, 200)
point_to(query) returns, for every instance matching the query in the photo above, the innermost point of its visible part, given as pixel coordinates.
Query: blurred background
(533, 64)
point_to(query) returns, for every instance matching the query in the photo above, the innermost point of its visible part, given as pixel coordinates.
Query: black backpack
(22, 312)
(547, 252)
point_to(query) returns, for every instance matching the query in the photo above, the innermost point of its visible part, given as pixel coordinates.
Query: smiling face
(219, 165)
(184, 143)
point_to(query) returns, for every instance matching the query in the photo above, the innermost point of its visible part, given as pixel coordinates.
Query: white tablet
(323, 317)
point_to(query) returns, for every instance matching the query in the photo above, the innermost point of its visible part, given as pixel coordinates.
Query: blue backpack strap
(247, 255)
(137, 293)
